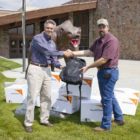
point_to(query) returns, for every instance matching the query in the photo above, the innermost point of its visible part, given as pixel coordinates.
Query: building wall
(4, 42)
(124, 19)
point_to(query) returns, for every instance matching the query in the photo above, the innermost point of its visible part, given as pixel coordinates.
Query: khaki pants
(39, 83)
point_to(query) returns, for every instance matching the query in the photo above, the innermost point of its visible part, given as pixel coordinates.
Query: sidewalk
(15, 73)
(129, 72)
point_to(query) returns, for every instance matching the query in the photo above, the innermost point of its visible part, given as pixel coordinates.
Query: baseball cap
(102, 21)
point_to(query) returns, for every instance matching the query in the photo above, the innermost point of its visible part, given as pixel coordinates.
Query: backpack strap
(67, 91)
(80, 97)
(29, 61)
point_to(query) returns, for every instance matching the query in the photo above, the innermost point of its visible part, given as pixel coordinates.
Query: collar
(46, 36)
(102, 39)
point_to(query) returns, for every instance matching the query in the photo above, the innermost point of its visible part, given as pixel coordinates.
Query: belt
(40, 65)
(101, 68)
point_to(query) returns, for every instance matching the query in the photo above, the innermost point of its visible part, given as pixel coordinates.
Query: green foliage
(70, 128)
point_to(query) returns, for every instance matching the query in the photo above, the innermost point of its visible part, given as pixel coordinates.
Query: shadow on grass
(75, 118)
(69, 118)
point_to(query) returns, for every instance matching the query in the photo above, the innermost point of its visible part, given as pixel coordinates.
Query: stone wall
(124, 19)
(4, 42)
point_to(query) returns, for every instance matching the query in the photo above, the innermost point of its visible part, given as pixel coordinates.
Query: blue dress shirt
(43, 50)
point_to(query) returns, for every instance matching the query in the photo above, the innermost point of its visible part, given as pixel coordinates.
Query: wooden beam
(48, 12)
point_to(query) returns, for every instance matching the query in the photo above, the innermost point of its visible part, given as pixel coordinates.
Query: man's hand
(61, 67)
(68, 53)
(84, 69)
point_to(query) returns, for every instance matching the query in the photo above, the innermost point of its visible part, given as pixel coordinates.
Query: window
(19, 31)
(16, 40)
(30, 29)
(13, 31)
(82, 17)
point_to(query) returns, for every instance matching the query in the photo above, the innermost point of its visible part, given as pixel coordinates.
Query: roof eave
(7, 19)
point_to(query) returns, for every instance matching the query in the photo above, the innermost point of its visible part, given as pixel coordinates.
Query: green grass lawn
(11, 126)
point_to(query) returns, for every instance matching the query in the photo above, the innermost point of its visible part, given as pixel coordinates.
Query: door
(16, 40)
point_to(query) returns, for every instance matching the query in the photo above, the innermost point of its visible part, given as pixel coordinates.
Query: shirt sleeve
(55, 61)
(92, 48)
(39, 46)
(110, 49)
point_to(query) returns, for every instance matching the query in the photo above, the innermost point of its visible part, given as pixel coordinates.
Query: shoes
(120, 123)
(28, 129)
(99, 129)
(47, 124)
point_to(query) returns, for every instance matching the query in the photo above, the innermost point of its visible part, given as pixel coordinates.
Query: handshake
(68, 53)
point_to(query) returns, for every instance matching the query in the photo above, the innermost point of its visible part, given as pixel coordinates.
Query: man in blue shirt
(43, 54)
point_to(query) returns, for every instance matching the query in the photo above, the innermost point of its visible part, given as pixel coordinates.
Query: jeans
(107, 79)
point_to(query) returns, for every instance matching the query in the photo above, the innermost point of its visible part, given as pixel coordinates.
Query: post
(23, 34)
